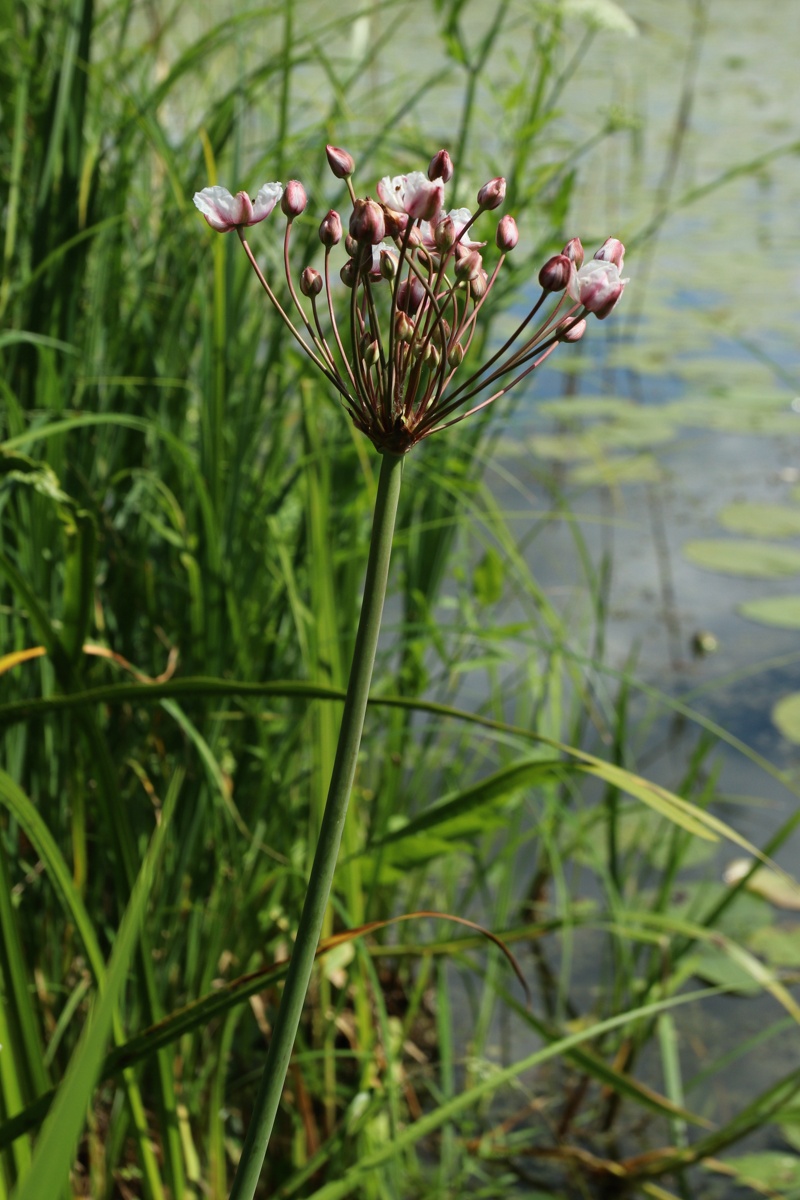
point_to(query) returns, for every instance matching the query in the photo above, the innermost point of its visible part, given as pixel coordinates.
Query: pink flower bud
(367, 222)
(468, 266)
(388, 264)
(556, 273)
(612, 250)
(340, 162)
(492, 194)
(574, 251)
(224, 212)
(348, 273)
(330, 230)
(444, 234)
(507, 233)
(351, 246)
(441, 167)
(410, 295)
(294, 199)
(310, 282)
(403, 328)
(597, 286)
(479, 286)
(396, 223)
(571, 331)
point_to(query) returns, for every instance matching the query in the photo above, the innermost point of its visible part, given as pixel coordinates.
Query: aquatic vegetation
(184, 533)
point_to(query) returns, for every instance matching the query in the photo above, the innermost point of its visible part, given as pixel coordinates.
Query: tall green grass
(176, 489)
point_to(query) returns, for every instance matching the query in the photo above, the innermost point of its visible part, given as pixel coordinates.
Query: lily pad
(733, 556)
(782, 611)
(584, 407)
(564, 447)
(768, 1169)
(641, 468)
(786, 715)
(779, 947)
(761, 520)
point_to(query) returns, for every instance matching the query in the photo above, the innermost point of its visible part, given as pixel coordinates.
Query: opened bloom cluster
(391, 330)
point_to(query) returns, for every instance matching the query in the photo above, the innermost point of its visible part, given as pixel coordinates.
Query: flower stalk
(330, 836)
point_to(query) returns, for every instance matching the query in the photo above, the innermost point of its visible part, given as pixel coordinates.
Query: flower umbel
(394, 344)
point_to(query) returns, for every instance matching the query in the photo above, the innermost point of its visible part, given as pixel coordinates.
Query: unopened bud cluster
(394, 341)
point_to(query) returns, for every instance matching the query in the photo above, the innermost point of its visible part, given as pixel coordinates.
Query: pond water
(691, 390)
(703, 354)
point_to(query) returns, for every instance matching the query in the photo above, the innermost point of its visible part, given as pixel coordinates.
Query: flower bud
(612, 250)
(371, 352)
(410, 295)
(294, 199)
(571, 331)
(556, 273)
(310, 282)
(468, 266)
(492, 194)
(441, 167)
(479, 286)
(351, 245)
(444, 235)
(403, 328)
(507, 234)
(574, 251)
(388, 264)
(348, 273)
(340, 162)
(330, 230)
(367, 222)
(455, 356)
(433, 356)
(396, 222)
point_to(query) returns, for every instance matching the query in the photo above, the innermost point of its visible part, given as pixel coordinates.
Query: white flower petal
(268, 196)
(219, 207)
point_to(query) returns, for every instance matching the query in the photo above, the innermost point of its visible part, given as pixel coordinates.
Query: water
(712, 310)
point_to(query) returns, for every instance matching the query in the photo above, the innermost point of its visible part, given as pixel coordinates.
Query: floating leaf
(564, 447)
(585, 407)
(783, 611)
(733, 556)
(761, 520)
(769, 1169)
(780, 947)
(786, 715)
(747, 413)
(641, 468)
(713, 965)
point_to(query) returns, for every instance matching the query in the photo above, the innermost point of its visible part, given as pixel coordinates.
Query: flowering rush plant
(391, 336)
(393, 339)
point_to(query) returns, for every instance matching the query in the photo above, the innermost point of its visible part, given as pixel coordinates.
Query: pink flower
(225, 212)
(597, 286)
(416, 195)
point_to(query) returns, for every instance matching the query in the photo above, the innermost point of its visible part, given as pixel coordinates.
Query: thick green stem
(319, 885)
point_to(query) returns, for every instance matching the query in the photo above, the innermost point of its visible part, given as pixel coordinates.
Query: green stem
(319, 885)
